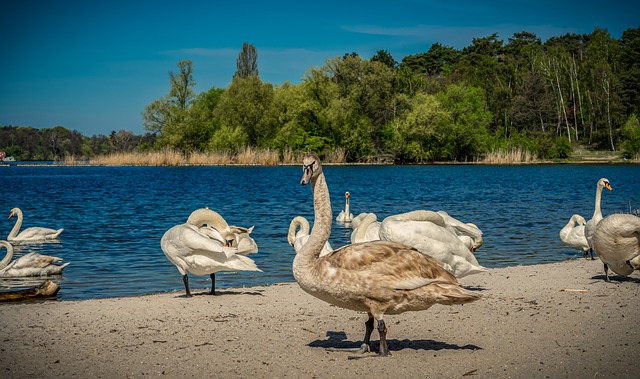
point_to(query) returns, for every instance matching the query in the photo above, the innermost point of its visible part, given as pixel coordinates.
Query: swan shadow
(226, 292)
(338, 340)
(476, 288)
(616, 278)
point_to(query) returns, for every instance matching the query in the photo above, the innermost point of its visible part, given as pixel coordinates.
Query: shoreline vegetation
(270, 157)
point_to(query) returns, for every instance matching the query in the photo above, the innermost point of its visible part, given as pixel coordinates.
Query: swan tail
(55, 235)
(451, 294)
(635, 262)
(240, 262)
(470, 271)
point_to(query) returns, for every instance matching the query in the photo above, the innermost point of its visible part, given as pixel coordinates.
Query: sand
(556, 320)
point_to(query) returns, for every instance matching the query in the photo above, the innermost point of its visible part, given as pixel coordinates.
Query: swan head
(13, 212)
(604, 182)
(347, 195)
(311, 168)
(579, 219)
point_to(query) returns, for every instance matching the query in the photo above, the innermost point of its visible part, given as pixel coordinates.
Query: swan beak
(608, 186)
(229, 243)
(306, 176)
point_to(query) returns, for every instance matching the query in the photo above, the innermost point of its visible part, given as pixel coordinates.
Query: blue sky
(92, 66)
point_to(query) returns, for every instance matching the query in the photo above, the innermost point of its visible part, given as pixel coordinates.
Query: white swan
(617, 242)
(30, 234)
(299, 238)
(193, 251)
(379, 277)
(345, 215)
(590, 227)
(32, 264)
(427, 232)
(366, 228)
(572, 234)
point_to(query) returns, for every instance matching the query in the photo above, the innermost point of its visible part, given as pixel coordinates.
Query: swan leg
(366, 344)
(185, 279)
(382, 329)
(213, 283)
(606, 273)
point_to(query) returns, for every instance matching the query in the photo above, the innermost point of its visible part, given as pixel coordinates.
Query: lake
(114, 217)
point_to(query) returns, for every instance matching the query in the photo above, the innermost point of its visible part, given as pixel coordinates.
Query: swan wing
(37, 233)
(396, 265)
(33, 260)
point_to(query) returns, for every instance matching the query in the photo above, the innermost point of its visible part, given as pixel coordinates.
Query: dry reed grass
(338, 155)
(510, 156)
(167, 157)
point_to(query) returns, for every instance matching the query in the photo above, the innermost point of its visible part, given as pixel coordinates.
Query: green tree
(421, 135)
(631, 133)
(470, 122)
(243, 105)
(247, 62)
(630, 70)
(168, 117)
(384, 57)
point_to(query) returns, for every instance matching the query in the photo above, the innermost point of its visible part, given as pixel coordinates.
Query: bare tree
(182, 84)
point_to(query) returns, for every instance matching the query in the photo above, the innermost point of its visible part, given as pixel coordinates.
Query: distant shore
(558, 320)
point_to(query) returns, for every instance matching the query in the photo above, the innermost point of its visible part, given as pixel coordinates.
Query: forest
(444, 104)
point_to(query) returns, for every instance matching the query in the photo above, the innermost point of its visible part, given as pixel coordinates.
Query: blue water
(114, 217)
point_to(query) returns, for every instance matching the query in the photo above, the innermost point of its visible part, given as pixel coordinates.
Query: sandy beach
(557, 320)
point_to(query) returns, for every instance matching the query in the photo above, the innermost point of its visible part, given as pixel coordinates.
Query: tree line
(444, 104)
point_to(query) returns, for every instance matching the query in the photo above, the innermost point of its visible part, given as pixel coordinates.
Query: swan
(193, 251)
(297, 240)
(379, 278)
(617, 242)
(345, 215)
(30, 234)
(590, 227)
(572, 235)
(427, 232)
(32, 264)
(366, 228)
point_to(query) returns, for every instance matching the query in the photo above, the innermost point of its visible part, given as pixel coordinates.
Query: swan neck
(211, 218)
(597, 212)
(346, 207)
(301, 222)
(361, 231)
(5, 261)
(16, 227)
(321, 222)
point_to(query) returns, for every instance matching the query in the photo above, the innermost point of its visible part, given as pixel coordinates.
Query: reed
(510, 156)
(252, 156)
(338, 155)
(149, 158)
(291, 157)
(168, 157)
(210, 158)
